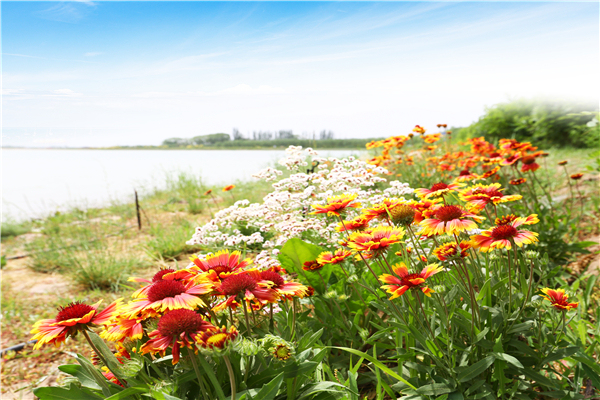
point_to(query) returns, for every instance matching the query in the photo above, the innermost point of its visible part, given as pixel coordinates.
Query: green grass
(11, 229)
(169, 241)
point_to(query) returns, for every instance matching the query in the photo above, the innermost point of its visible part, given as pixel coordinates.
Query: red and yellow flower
(222, 263)
(377, 240)
(505, 233)
(381, 210)
(71, 319)
(247, 285)
(285, 289)
(482, 195)
(449, 219)
(177, 328)
(327, 257)
(529, 164)
(228, 188)
(358, 223)
(218, 339)
(452, 251)
(398, 285)
(336, 205)
(439, 189)
(559, 299)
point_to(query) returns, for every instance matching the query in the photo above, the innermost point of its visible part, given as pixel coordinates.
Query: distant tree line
(219, 139)
(544, 123)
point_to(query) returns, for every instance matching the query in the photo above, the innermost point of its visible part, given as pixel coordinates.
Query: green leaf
(322, 387)
(353, 385)
(308, 340)
(211, 376)
(163, 396)
(475, 369)
(435, 389)
(269, 391)
(378, 364)
(56, 393)
(509, 359)
(93, 372)
(295, 253)
(112, 363)
(292, 370)
(560, 354)
(591, 375)
(124, 394)
(81, 374)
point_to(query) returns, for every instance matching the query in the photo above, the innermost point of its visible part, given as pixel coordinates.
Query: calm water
(38, 182)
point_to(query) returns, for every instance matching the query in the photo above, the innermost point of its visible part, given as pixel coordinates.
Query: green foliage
(169, 242)
(10, 229)
(546, 124)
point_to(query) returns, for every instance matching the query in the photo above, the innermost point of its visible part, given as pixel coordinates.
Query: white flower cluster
(284, 213)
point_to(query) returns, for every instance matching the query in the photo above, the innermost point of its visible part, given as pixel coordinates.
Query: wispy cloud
(69, 12)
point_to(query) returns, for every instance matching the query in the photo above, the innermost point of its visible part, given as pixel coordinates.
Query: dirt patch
(588, 263)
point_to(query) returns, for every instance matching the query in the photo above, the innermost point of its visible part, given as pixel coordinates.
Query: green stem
(231, 377)
(197, 371)
(89, 340)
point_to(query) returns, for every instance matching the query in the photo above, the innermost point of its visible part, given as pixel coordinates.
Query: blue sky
(108, 73)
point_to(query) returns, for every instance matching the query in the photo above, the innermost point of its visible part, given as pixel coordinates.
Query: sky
(127, 73)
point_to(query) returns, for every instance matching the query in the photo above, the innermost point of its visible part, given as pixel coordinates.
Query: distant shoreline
(174, 148)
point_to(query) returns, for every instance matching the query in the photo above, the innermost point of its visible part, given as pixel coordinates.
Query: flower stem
(231, 376)
(197, 371)
(89, 340)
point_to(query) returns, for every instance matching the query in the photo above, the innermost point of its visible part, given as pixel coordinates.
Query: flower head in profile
(222, 263)
(419, 129)
(517, 182)
(336, 257)
(228, 188)
(398, 285)
(529, 164)
(505, 233)
(449, 219)
(452, 251)
(489, 173)
(439, 189)
(377, 240)
(359, 223)
(466, 175)
(209, 191)
(559, 299)
(336, 205)
(218, 339)
(564, 162)
(482, 195)
(72, 318)
(177, 328)
(284, 288)
(312, 265)
(577, 176)
(381, 210)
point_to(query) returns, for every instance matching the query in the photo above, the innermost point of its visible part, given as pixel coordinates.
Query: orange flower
(449, 219)
(379, 239)
(559, 299)
(565, 162)
(380, 210)
(489, 173)
(505, 233)
(439, 189)
(177, 328)
(336, 205)
(209, 191)
(228, 188)
(576, 176)
(328, 257)
(452, 251)
(418, 129)
(71, 319)
(432, 138)
(397, 286)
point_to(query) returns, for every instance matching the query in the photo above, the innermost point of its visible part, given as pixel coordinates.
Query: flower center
(217, 339)
(158, 276)
(448, 213)
(73, 310)
(504, 232)
(237, 284)
(494, 155)
(465, 172)
(219, 269)
(439, 186)
(273, 277)
(505, 220)
(179, 321)
(407, 280)
(528, 160)
(163, 289)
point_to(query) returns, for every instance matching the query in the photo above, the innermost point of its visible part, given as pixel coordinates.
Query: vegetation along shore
(445, 266)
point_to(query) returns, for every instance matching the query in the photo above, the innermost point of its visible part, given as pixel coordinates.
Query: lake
(37, 182)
